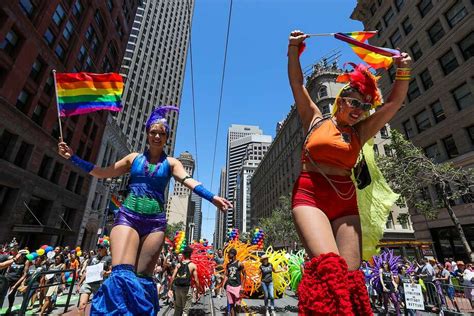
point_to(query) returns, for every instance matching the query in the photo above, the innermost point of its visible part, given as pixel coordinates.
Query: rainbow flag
(377, 57)
(115, 201)
(83, 92)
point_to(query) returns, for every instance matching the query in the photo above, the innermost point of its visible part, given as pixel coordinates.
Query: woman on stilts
(325, 209)
(139, 228)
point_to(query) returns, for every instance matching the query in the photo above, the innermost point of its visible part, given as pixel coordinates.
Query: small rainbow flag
(115, 201)
(83, 92)
(377, 57)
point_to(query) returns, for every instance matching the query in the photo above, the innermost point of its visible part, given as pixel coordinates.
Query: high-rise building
(43, 196)
(277, 172)
(220, 227)
(234, 161)
(153, 67)
(195, 208)
(438, 114)
(177, 209)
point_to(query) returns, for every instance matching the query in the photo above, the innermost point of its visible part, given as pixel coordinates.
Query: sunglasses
(355, 103)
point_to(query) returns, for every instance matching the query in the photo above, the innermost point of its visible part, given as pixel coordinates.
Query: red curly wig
(363, 81)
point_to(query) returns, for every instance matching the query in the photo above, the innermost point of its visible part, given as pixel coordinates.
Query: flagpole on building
(57, 106)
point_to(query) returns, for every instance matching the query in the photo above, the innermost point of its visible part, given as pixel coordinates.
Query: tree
(411, 174)
(171, 229)
(278, 227)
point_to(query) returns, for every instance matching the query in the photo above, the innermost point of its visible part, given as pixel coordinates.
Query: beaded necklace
(149, 171)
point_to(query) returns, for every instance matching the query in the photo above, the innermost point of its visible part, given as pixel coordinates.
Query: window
(7, 143)
(408, 129)
(426, 79)
(79, 183)
(27, 7)
(58, 15)
(89, 33)
(38, 114)
(71, 181)
(463, 97)
(110, 5)
(68, 29)
(399, 4)
(437, 111)
(48, 86)
(388, 16)
(413, 90)
(436, 32)
(379, 28)
(376, 150)
(450, 146)
(46, 164)
(373, 9)
(59, 50)
(384, 132)
(470, 132)
(56, 175)
(416, 51)
(422, 121)
(432, 152)
(448, 62)
(407, 27)
(49, 37)
(466, 46)
(23, 155)
(395, 38)
(10, 42)
(36, 69)
(456, 13)
(22, 100)
(323, 92)
(424, 6)
(77, 8)
(98, 19)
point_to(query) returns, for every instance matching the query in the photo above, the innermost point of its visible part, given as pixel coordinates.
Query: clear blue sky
(256, 90)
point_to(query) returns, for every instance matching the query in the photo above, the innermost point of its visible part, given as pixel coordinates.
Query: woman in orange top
(324, 197)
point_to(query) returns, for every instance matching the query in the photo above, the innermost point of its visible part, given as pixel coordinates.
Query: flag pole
(321, 34)
(57, 106)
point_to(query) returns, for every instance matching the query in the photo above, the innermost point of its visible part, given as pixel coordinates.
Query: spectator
(9, 264)
(53, 280)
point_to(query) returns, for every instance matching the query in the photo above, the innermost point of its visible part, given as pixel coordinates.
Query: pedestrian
(11, 263)
(324, 196)
(91, 288)
(389, 288)
(218, 276)
(266, 272)
(183, 293)
(233, 282)
(53, 280)
(139, 226)
(404, 278)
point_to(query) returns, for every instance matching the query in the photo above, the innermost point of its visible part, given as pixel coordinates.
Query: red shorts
(313, 189)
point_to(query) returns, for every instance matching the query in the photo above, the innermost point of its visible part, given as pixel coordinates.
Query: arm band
(203, 192)
(82, 164)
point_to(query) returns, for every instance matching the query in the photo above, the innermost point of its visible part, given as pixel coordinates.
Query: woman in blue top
(138, 232)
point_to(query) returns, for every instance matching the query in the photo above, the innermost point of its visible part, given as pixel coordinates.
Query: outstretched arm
(374, 123)
(115, 170)
(307, 110)
(180, 175)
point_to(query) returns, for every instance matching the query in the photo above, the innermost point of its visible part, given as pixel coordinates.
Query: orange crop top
(326, 145)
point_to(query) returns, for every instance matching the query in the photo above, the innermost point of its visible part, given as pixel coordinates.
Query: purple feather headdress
(386, 256)
(158, 116)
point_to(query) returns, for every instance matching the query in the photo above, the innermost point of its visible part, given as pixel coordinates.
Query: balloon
(44, 247)
(79, 253)
(40, 252)
(48, 249)
(35, 255)
(78, 249)
(29, 257)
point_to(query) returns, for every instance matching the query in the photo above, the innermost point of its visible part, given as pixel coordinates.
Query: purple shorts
(142, 223)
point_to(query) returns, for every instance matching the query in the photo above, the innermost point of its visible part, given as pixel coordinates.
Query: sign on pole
(413, 296)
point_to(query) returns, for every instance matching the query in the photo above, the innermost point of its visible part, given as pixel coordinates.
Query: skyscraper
(438, 115)
(178, 203)
(220, 227)
(153, 67)
(43, 196)
(195, 210)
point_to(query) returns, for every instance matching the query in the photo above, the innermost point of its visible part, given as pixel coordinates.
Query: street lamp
(112, 185)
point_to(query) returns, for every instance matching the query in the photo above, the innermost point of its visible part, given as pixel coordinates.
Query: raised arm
(115, 170)
(306, 108)
(181, 175)
(374, 123)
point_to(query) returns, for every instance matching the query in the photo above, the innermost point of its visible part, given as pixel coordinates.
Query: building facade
(220, 227)
(195, 221)
(43, 196)
(279, 169)
(154, 66)
(438, 114)
(178, 203)
(243, 209)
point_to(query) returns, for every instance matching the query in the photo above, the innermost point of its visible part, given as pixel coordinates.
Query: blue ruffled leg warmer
(122, 294)
(151, 292)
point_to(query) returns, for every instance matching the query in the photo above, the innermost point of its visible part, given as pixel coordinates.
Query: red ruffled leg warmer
(359, 295)
(323, 290)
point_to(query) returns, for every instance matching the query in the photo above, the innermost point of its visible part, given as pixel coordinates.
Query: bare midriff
(327, 169)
